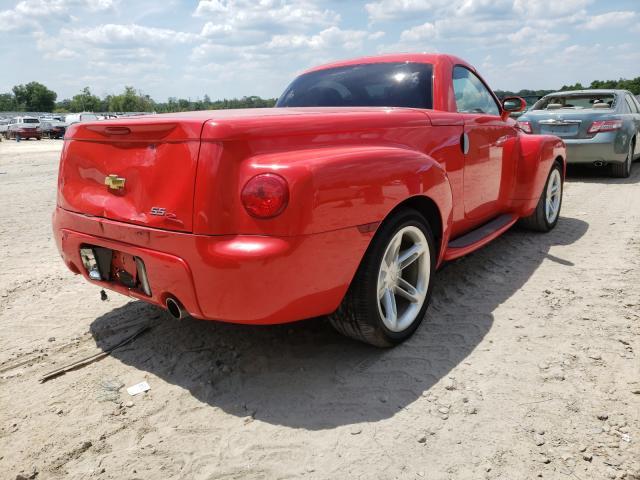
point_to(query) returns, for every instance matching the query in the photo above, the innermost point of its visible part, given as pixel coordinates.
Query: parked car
(80, 117)
(25, 128)
(340, 201)
(4, 126)
(53, 128)
(599, 127)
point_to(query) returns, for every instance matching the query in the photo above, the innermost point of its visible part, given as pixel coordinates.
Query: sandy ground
(527, 366)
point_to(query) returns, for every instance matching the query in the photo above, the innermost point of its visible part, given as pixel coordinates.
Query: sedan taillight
(605, 126)
(525, 127)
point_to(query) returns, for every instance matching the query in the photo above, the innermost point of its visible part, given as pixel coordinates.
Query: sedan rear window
(576, 102)
(367, 85)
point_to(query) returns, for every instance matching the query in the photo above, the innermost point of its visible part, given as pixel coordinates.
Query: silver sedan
(599, 127)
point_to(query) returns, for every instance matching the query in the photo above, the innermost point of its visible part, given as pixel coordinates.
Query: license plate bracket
(105, 264)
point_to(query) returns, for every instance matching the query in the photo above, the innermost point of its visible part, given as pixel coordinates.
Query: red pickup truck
(343, 200)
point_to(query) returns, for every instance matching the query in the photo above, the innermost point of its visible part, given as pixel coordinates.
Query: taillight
(525, 127)
(604, 126)
(265, 196)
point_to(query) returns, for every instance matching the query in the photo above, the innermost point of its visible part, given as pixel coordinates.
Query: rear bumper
(602, 147)
(241, 278)
(29, 133)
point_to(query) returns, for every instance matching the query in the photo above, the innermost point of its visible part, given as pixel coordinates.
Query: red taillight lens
(525, 127)
(265, 195)
(605, 126)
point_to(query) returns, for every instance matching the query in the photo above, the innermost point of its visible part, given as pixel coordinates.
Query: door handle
(464, 143)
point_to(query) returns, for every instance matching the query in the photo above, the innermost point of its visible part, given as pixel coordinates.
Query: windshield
(367, 85)
(581, 101)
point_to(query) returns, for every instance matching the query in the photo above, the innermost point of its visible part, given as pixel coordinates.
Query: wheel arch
(428, 208)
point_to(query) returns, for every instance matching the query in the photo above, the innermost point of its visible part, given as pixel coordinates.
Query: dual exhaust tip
(175, 309)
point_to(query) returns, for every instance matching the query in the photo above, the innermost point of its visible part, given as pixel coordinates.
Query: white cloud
(34, 14)
(330, 38)
(426, 31)
(376, 35)
(611, 20)
(386, 10)
(536, 36)
(548, 9)
(128, 36)
(266, 14)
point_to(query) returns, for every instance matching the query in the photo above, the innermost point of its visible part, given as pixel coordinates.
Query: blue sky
(231, 48)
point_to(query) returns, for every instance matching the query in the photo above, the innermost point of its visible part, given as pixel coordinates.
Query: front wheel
(390, 292)
(547, 212)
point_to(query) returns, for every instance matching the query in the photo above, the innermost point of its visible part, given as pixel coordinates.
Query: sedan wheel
(390, 292)
(623, 170)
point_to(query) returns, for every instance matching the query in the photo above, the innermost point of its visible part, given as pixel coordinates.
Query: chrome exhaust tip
(175, 309)
(598, 163)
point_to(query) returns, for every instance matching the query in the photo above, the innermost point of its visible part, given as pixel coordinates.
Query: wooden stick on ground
(93, 358)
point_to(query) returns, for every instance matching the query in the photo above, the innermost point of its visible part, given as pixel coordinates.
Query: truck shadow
(304, 375)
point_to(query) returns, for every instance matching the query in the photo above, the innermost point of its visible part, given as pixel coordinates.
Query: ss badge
(159, 212)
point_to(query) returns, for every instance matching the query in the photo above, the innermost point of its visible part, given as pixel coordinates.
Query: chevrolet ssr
(342, 201)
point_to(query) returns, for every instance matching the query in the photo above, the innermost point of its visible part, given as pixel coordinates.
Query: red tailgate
(152, 164)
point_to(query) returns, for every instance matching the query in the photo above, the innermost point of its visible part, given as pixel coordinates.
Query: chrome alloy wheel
(554, 196)
(403, 278)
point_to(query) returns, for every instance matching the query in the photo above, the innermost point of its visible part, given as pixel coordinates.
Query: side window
(632, 105)
(471, 94)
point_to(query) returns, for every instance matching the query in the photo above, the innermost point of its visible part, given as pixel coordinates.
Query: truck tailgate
(139, 171)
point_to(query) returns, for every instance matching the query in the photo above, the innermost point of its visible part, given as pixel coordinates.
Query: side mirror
(512, 105)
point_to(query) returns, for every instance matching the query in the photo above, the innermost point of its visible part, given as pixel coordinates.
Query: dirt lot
(528, 365)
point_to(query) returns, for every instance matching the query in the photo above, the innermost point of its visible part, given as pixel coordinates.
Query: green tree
(131, 101)
(7, 102)
(63, 106)
(85, 102)
(34, 97)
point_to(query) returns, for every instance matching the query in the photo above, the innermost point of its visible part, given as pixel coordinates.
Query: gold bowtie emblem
(114, 182)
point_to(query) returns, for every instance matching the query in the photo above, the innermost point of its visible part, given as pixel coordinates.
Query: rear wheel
(547, 212)
(390, 292)
(623, 170)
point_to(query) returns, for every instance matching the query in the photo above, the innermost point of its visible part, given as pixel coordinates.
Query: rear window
(576, 102)
(367, 85)
(30, 120)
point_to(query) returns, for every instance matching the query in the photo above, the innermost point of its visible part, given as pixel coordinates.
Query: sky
(233, 48)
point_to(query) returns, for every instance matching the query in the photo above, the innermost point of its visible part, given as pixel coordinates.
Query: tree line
(633, 85)
(36, 97)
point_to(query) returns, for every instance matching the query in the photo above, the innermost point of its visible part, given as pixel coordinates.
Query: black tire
(358, 315)
(623, 170)
(537, 221)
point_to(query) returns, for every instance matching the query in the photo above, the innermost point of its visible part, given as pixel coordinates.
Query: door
(488, 143)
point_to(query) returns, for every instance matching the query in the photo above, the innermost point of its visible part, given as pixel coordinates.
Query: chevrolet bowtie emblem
(114, 182)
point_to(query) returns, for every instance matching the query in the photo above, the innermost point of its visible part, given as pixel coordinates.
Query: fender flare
(537, 155)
